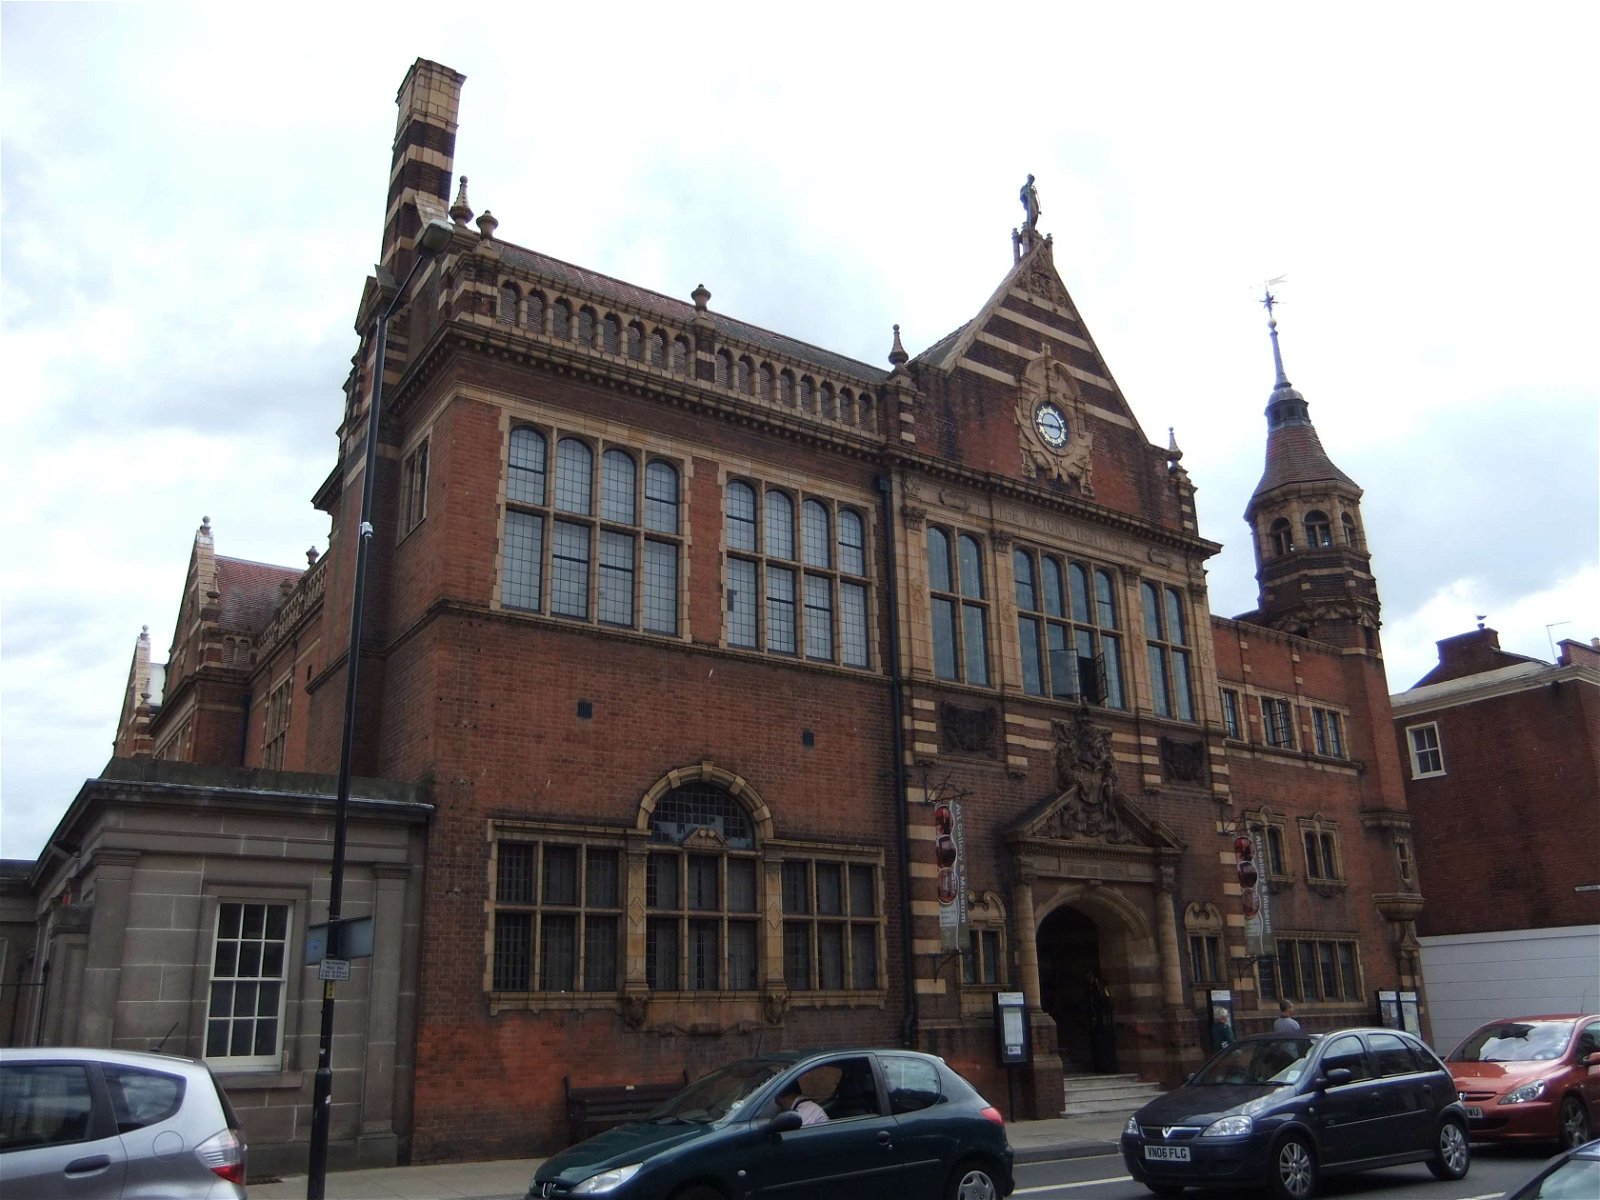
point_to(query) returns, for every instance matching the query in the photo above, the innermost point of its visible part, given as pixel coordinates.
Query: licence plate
(1166, 1153)
(1474, 1113)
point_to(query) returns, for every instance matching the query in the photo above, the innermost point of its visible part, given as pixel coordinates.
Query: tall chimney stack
(424, 157)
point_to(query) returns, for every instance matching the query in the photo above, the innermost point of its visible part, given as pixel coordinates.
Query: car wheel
(1294, 1170)
(1451, 1154)
(1574, 1123)
(972, 1180)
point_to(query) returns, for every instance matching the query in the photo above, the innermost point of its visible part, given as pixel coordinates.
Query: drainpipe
(908, 964)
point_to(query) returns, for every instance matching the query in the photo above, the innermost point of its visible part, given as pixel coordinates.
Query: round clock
(1051, 424)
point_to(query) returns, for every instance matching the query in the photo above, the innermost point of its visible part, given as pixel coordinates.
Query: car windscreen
(715, 1096)
(1270, 1062)
(1515, 1041)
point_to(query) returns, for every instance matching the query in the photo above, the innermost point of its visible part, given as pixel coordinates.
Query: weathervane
(1272, 300)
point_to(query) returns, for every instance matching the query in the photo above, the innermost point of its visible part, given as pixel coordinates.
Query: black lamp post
(435, 236)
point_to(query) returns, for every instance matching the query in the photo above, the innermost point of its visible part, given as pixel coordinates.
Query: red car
(1531, 1079)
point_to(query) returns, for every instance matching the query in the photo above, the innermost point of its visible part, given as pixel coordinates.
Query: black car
(1571, 1175)
(846, 1124)
(1283, 1110)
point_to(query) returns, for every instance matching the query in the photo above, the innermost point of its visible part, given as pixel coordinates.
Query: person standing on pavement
(1221, 1029)
(1286, 1022)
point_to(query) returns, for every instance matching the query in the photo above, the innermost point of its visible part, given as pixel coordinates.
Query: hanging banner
(949, 851)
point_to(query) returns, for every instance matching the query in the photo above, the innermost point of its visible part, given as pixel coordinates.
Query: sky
(191, 198)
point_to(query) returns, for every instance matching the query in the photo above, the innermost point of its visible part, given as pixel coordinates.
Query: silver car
(114, 1125)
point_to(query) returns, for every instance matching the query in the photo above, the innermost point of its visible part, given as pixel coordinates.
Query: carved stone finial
(461, 211)
(487, 225)
(144, 633)
(205, 528)
(1173, 453)
(701, 297)
(898, 355)
(312, 555)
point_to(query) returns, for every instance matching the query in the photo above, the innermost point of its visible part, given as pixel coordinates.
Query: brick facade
(689, 631)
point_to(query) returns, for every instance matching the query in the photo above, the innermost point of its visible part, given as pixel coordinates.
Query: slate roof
(251, 592)
(1295, 455)
(631, 298)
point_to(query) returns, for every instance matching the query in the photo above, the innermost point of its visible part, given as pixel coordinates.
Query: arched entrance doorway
(1073, 990)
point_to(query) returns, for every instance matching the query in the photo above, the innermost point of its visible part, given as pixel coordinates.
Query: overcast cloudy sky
(193, 196)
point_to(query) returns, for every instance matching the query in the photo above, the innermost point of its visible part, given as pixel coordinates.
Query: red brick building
(1503, 780)
(764, 697)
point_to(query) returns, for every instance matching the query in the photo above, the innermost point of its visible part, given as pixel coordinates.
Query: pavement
(1032, 1141)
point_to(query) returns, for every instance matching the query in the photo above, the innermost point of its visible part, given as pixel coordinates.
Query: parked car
(1531, 1079)
(1571, 1175)
(1284, 1111)
(847, 1124)
(103, 1124)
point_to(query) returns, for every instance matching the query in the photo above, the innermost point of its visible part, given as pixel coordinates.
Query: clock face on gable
(1051, 423)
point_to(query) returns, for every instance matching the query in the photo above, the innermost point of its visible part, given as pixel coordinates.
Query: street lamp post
(435, 236)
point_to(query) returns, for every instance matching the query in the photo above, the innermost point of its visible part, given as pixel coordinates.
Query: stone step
(1087, 1095)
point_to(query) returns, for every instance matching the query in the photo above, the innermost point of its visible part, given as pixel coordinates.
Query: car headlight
(1521, 1095)
(599, 1185)
(1229, 1127)
(1132, 1127)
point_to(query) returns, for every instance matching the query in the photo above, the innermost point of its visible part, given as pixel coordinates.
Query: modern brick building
(762, 697)
(1503, 781)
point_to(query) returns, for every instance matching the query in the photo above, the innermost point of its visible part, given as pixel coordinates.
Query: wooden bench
(592, 1110)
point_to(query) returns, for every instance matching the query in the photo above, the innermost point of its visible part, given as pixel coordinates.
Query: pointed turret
(1312, 564)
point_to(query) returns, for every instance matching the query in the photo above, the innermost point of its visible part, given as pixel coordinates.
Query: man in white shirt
(811, 1113)
(1286, 1022)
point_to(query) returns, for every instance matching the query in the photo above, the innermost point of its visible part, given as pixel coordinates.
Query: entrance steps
(1095, 1095)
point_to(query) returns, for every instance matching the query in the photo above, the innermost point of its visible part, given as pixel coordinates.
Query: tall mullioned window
(1067, 628)
(960, 607)
(599, 545)
(1166, 633)
(796, 575)
(1277, 719)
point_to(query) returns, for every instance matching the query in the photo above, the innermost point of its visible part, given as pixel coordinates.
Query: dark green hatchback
(848, 1124)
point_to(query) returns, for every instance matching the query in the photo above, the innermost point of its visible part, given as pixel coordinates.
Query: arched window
(1282, 535)
(743, 379)
(847, 406)
(611, 335)
(808, 395)
(1319, 534)
(636, 342)
(586, 327)
(1352, 536)
(1166, 644)
(1071, 648)
(561, 321)
(724, 368)
(509, 301)
(786, 388)
(658, 349)
(637, 560)
(960, 612)
(535, 314)
(680, 356)
(781, 601)
(829, 412)
(702, 893)
(526, 478)
(865, 404)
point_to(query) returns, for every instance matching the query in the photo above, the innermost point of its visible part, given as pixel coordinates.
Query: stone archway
(1096, 955)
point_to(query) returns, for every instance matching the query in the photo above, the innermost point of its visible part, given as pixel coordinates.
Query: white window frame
(1414, 734)
(251, 1062)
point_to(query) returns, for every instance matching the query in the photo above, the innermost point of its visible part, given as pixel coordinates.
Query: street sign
(353, 939)
(334, 970)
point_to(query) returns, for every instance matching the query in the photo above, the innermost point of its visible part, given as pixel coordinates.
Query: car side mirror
(1590, 1058)
(785, 1122)
(1337, 1077)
